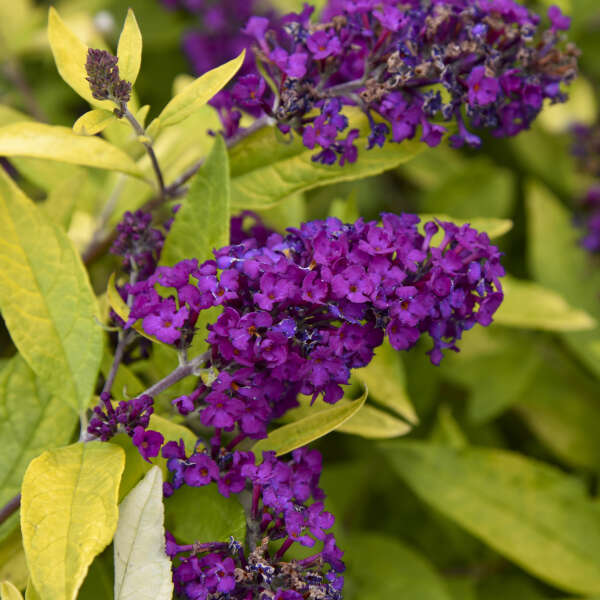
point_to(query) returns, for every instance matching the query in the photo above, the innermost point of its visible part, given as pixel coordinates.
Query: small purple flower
(201, 471)
(483, 90)
(559, 21)
(165, 325)
(147, 442)
(322, 45)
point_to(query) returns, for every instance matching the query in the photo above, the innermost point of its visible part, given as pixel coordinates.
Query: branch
(9, 508)
(189, 368)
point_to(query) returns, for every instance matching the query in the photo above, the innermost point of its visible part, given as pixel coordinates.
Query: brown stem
(9, 508)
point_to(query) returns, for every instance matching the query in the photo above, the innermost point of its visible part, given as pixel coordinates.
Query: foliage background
(493, 492)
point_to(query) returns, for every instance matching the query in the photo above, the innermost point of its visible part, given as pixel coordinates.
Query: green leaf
(502, 587)
(70, 56)
(46, 299)
(99, 583)
(202, 222)
(380, 566)
(55, 143)
(370, 422)
(558, 262)
(197, 94)
(203, 515)
(31, 420)
(529, 305)
(306, 430)
(9, 592)
(93, 122)
(129, 50)
(496, 365)
(142, 569)
(31, 593)
(69, 514)
(560, 406)
(527, 511)
(386, 380)
(265, 170)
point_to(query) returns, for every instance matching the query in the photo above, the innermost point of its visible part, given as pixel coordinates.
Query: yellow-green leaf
(195, 95)
(13, 566)
(31, 593)
(46, 299)
(69, 514)
(60, 203)
(9, 592)
(31, 420)
(55, 143)
(265, 170)
(386, 380)
(530, 512)
(93, 122)
(70, 56)
(129, 50)
(302, 432)
(142, 569)
(370, 422)
(529, 305)
(558, 262)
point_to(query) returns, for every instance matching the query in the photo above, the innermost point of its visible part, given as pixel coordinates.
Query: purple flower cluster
(138, 243)
(407, 65)
(302, 311)
(103, 77)
(131, 417)
(278, 494)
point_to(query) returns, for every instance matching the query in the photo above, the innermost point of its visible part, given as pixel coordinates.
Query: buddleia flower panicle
(303, 310)
(409, 66)
(103, 77)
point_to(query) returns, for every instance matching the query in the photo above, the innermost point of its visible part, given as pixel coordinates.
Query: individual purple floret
(408, 65)
(304, 310)
(279, 508)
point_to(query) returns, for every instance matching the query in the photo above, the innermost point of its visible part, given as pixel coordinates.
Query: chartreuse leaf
(300, 433)
(31, 420)
(46, 299)
(52, 142)
(380, 566)
(197, 94)
(529, 305)
(9, 592)
(142, 569)
(129, 49)
(13, 566)
(31, 593)
(62, 199)
(93, 122)
(559, 263)
(70, 56)
(202, 222)
(386, 380)
(527, 511)
(370, 422)
(69, 514)
(203, 515)
(265, 170)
